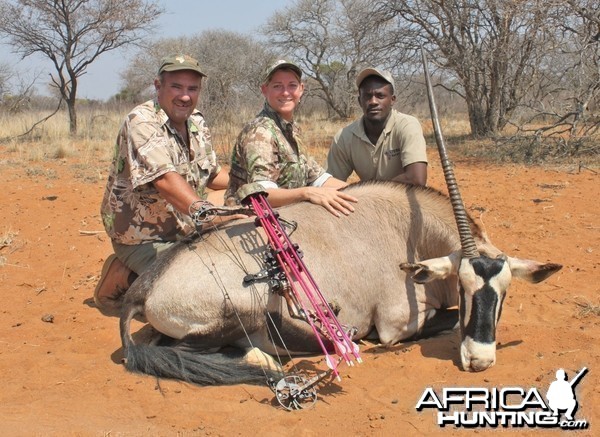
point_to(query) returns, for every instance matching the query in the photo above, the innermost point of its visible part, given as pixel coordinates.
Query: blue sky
(182, 17)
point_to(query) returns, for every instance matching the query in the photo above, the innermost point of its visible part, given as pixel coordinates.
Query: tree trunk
(72, 117)
(71, 101)
(478, 120)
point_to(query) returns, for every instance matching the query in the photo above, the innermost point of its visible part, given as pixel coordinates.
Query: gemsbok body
(387, 268)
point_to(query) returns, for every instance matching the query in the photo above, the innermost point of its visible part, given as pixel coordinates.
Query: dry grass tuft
(587, 309)
(7, 239)
(37, 172)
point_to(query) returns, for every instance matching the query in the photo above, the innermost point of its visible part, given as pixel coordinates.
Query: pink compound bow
(303, 287)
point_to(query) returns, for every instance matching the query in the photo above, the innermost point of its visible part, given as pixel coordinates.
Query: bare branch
(72, 34)
(332, 40)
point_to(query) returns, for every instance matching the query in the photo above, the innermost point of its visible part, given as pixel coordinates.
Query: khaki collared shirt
(269, 153)
(147, 147)
(401, 143)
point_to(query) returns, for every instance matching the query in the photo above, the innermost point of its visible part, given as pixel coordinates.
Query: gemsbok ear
(432, 269)
(532, 271)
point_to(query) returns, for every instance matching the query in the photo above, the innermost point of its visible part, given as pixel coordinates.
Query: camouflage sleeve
(313, 170)
(211, 163)
(206, 150)
(245, 191)
(257, 151)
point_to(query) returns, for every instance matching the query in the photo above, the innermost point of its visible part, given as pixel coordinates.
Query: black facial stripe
(482, 320)
(482, 323)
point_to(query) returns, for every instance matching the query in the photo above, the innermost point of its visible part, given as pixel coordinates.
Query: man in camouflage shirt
(163, 163)
(268, 154)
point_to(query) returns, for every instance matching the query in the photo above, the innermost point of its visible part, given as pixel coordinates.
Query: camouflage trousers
(138, 257)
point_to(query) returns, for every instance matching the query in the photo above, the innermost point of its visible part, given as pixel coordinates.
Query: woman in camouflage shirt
(268, 153)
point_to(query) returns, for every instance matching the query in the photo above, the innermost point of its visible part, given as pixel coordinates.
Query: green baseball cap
(278, 65)
(385, 75)
(180, 62)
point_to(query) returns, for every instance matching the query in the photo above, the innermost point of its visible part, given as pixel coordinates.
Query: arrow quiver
(303, 297)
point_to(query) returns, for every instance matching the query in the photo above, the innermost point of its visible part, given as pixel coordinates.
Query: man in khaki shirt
(383, 144)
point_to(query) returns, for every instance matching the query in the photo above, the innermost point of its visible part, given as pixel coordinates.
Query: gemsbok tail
(171, 362)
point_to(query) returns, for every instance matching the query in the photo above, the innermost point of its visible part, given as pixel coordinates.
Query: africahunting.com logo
(516, 407)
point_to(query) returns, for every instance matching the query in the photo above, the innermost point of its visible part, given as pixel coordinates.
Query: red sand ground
(60, 358)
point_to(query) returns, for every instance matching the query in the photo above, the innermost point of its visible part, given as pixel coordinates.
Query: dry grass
(7, 239)
(51, 139)
(317, 133)
(97, 133)
(451, 128)
(528, 150)
(98, 128)
(587, 309)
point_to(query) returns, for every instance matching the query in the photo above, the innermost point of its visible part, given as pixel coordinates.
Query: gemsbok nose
(476, 356)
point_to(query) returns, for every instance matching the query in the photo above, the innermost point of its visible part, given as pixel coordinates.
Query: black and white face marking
(483, 284)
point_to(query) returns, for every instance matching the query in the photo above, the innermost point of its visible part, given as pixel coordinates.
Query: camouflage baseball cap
(277, 65)
(385, 75)
(180, 62)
